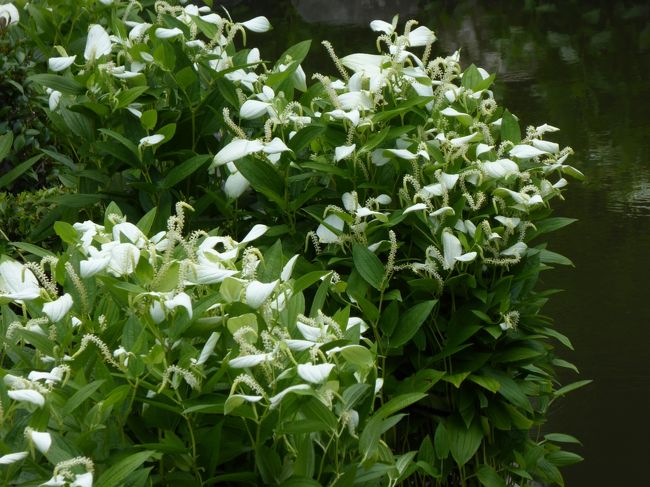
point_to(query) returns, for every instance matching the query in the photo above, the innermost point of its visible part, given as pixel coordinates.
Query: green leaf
(399, 403)
(122, 140)
(510, 128)
(6, 141)
(149, 119)
(33, 249)
(264, 178)
(357, 355)
(563, 458)
(80, 396)
(410, 322)
(548, 257)
(562, 438)
(67, 86)
(463, 441)
(416, 101)
(186, 77)
(269, 464)
(168, 131)
(368, 265)
(510, 390)
(441, 441)
(126, 97)
(551, 225)
(184, 170)
(488, 383)
(297, 52)
(471, 77)
(14, 173)
(114, 475)
(572, 387)
(80, 124)
(304, 136)
(371, 434)
(489, 477)
(146, 222)
(65, 231)
(164, 56)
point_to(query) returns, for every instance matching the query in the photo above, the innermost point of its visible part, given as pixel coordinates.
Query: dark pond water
(584, 67)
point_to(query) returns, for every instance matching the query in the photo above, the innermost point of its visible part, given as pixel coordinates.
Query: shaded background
(584, 67)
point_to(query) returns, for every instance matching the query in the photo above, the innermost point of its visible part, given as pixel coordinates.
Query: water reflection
(582, 66)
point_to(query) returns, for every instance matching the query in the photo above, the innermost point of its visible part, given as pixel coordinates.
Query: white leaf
(249, 360)
(378, 157)
(382, 26)
(468, 257)
(299, 345)
(546, 146)
(421, 36)
(138, 30)
(56, 310)
(356, 100)
(314, 374)
(55, 481)
(452, 249)
(157, 312)
(27, 395)
(257, 292)
(324, 234)
(275, 400)
(285, 275)
(369, 64)
(402, 154)
(500, 169)
(237, 149)
(524, 151)
(415, 207)
(208, 273)
(482, 149)
(12, 457)
(458, 141)
(445, 210)
(343, 151)
(131, 232)
(311, 333)
(276, 146)
(94, 265)
(256, 232)
(182, 300)
(150, 140)
(83, 480)
(162, 33)
(54, 99)
(42, 440)
(17, 281)
(508, 222)
(252, 109)
(124, 258)
(57, 64)
(236, 184)
(98, 43)
(517, 250)
(208, 348)
(258, 24)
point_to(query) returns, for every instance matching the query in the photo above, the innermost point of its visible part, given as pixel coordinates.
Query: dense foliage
(386, 326)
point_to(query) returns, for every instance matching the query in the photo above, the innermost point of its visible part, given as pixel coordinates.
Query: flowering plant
(385, 327)
(166, 357)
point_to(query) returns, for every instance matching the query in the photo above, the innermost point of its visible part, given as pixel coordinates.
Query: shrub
(416, 202)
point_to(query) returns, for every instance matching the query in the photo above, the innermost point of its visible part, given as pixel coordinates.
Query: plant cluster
(386, 326)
